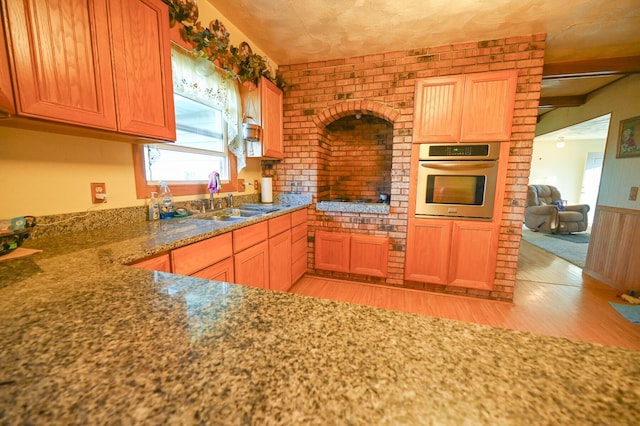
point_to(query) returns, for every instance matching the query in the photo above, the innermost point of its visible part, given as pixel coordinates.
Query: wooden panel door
(271, 111)
(428, 248)
(280, 261)
(438, 109)
(489, 99)
(7, 106)
(369, 255)
(142, 68)
(221, 271)
(251, 266)
(157, 263)
(332, 251)
(474, 248)
(62, 61)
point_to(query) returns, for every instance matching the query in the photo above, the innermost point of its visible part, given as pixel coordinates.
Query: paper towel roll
(267, 190)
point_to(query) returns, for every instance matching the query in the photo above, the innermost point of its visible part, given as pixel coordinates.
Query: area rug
(582, 238)
(572, 248)
(630, 312)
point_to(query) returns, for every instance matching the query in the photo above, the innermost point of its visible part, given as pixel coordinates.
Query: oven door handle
(459, 166)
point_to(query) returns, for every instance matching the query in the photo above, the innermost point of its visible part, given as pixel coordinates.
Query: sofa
(546, 212)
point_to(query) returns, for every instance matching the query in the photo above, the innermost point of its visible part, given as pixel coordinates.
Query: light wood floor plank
(551, 298)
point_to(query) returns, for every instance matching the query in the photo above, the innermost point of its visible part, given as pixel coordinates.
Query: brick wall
(382, 85)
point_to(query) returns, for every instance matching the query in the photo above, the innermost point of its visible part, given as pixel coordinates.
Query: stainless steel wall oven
(457, 180)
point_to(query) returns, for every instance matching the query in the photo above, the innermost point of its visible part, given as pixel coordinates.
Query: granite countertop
(88, 340)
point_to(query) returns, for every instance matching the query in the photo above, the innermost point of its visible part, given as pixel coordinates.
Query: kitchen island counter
(88, 340)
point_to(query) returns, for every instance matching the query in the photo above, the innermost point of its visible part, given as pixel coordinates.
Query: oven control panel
(488, 151)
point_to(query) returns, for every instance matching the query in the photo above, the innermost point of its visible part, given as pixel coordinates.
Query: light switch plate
(633, 193)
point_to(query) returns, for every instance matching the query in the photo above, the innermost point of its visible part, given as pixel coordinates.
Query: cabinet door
(221, 271)
(473, 255)
(428, 248)
(298, 258)
(142, 68)
(157, 263)
(489, 99)
(369, 255)
(251, 266)
(6, 92)
(62, 61)
(271, 111)
(280, 261)
(438, 109)
(332, 251)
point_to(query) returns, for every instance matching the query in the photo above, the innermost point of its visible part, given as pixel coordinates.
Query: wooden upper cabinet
(271, 118)
(61, 58)
(489, 99)
(465, 108)
(142, 68)
(438, 109)
(103, 64)
(7, 106)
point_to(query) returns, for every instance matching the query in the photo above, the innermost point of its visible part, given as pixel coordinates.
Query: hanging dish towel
(214, 182)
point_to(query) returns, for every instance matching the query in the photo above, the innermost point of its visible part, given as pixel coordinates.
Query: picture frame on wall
(629, 138)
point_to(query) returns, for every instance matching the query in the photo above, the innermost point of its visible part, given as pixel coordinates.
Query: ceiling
(590, 43)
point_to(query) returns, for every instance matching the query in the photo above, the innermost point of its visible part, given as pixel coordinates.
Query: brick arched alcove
(356, 139)
(344, 109)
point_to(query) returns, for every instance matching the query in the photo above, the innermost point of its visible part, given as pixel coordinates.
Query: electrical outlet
(256, 186)
(98, 193)
(633, 193)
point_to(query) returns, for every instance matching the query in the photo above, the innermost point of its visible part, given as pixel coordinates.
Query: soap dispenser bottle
(154, 207)
(166, 202)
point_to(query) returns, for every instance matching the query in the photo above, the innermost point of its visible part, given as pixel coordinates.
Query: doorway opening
(570, 159)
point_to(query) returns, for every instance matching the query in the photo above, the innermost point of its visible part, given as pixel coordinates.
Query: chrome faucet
(230, 200)
(211, 202)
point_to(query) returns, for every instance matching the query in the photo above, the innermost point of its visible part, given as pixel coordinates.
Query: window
(207, 108)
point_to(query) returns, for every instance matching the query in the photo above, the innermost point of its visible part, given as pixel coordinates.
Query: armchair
(542, 212)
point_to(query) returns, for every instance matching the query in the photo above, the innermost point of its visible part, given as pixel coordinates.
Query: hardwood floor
(551, 298)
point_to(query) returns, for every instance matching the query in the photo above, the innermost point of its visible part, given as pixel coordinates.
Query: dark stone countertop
(87, 340)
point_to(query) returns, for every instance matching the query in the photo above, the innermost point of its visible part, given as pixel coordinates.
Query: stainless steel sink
(227, 215)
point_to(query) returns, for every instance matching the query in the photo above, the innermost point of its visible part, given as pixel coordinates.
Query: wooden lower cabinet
(157, 263)
(221, 271)
(332, 251)
(356, 254)
(280, 261)
(251, 266)
(369, 255)
(428, 248)
(299, 256)
(456, 253)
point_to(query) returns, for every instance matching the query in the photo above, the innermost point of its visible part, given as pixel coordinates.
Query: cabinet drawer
(194, 257)
(299, 232)
(298, 217)
(157, 263)
(251, 235)
(299, 249)
(279, 224)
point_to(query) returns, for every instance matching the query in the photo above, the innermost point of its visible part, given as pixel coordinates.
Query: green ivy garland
(213, 43)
